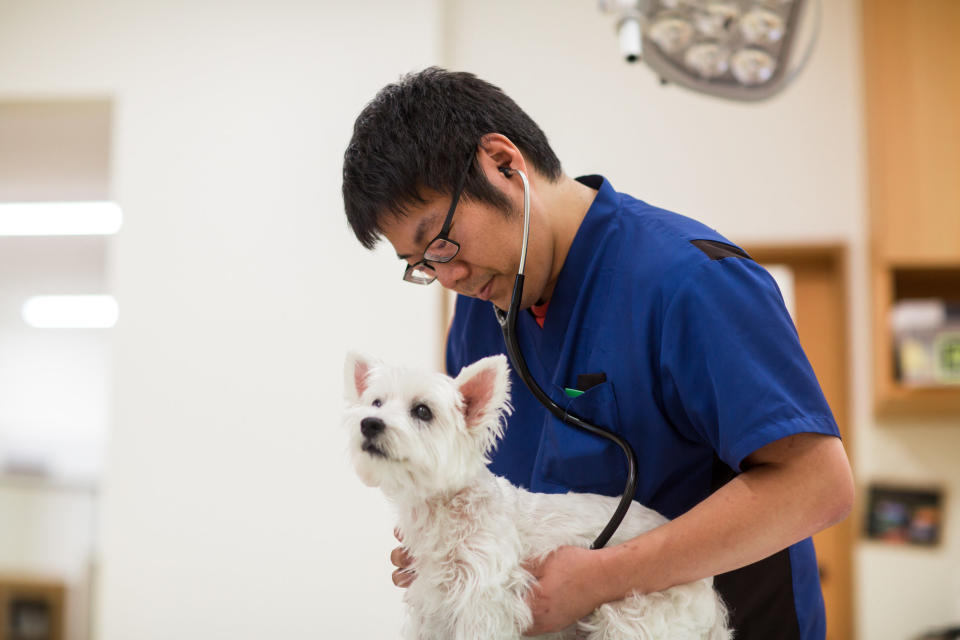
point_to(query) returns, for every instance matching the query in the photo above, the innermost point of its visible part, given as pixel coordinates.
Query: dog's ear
(485, 387)
(355, 371)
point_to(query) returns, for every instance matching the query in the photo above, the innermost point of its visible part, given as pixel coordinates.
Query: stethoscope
(508, 324)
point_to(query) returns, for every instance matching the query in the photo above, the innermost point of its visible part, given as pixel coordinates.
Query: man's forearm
(796, 488)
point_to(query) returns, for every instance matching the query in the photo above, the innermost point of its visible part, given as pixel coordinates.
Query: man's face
(490, 243)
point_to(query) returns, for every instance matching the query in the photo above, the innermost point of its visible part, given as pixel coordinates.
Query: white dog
(424, 439)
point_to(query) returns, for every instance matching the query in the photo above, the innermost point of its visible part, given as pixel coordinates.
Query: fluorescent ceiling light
(59, 218)
(71, 312)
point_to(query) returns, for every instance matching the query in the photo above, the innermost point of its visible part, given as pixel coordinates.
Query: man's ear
(497, 150)
(355, 371)
(485, 386)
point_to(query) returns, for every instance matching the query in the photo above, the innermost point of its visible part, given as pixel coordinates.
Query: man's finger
(400, 558)
(403, 577)
(534, 566)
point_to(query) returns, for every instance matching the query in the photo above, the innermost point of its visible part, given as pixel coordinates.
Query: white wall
(789, 170)
(903, 590)
(229, 510)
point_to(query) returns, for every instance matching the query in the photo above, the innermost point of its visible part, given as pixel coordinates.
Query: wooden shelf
(912, 96)
(891, 284)
(920, 401)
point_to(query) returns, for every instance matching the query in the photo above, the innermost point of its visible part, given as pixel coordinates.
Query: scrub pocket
(580, 461)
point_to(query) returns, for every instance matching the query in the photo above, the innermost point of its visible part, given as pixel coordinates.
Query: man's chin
(502, 306)
(504, 303)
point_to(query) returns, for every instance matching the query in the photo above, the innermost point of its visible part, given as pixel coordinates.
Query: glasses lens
(420, 274)
(441, 250)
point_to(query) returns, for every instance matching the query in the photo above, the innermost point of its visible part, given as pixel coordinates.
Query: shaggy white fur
(424, 439)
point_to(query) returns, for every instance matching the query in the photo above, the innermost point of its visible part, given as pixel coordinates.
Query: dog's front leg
(413, 626)
(456, 611)
(486, 622)
(500, 614)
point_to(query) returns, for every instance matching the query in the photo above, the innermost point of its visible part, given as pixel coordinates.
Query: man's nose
(449, 274)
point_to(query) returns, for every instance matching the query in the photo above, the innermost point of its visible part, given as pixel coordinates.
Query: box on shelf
(926, 335)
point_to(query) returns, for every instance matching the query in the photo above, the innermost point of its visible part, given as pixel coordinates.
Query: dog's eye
(376, 402)
(422, 412)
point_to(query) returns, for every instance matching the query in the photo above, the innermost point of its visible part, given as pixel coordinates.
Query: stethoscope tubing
(508, 324)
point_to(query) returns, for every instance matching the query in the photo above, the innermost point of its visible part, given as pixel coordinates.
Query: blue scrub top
(702, 366)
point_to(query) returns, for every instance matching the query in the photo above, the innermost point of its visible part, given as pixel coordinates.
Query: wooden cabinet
(912, 100)
(912, 69)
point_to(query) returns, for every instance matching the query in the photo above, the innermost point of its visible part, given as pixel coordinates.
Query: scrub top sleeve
(733, 373)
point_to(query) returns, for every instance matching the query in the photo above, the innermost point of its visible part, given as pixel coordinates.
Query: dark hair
(420, 132)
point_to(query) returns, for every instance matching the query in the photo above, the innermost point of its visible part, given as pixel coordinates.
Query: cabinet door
(912, 69)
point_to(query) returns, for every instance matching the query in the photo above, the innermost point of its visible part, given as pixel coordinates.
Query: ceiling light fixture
(71, 312)
(59, 218)
(734, 49)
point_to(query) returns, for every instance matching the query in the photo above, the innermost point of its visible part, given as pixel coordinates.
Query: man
(677, 339)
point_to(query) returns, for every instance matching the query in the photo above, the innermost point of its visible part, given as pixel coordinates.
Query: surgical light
(707, 59)
(752, 66)
(671, 33)
(734, 49)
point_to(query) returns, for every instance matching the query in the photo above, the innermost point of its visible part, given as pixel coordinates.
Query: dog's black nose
(370, 427)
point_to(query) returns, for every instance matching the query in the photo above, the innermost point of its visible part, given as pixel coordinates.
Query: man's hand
(789, 490)
(403, 576)
(569, 582)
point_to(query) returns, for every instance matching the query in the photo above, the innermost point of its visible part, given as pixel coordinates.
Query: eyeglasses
(441, 248)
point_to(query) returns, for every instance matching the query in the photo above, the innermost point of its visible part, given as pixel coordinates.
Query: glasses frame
(424, 264)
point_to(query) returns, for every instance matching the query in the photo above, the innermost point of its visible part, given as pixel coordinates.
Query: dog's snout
(370, 427)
